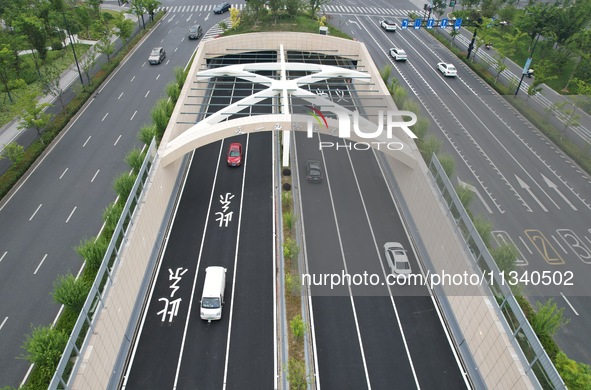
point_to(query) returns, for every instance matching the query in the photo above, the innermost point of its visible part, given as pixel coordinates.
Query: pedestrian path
(340, 9)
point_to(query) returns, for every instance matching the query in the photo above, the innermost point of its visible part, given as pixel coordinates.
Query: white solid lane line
(384, 274)
(235, 263)
(180, 359)
(334, 213)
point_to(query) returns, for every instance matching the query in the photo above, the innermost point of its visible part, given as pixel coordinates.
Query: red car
(235, 154)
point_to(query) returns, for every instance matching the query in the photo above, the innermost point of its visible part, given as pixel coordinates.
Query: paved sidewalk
(10, 131)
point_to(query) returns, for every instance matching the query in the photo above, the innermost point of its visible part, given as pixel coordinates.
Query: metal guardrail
(80, 336)
(540, 370)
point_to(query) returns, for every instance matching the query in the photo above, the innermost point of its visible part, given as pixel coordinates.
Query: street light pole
(72, 45)
(527, 65)
(471, 45)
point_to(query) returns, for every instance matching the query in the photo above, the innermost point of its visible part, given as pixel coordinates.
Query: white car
(398, 54)
(388, 25)
(448, 70)
(396, 258)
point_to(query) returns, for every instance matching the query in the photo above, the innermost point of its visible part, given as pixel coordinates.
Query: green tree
(13, 152)
(87, 62)
(296, 374)
(33, 115)
(386, 73)
(50, 81)
(135, 159)
(576, 375)
(138, 8)
(534, 19)
(548, 318)
(465, 194)
(33, 29)
(147, 133)
(123, 184)
(151, 6)
(505, 256)
(293, 7)
(93, 251)
(106, 47)
(430, 146)
(160, 115)
(111, 217)
(315, 5)
(484, 229)
(173, 91)
(297, 327)
(70, 292)
(44, 348)
(7, 63)
(124, 27)
(448, 163)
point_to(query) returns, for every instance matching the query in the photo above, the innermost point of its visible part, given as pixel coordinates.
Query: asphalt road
(176, 347)
(535, 196)
(225, 218)
(62, 201)
(366, 336)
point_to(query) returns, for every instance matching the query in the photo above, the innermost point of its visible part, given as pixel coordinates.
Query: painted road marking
(473, 189)
(576, 245)
(502, 237)
(544, 247)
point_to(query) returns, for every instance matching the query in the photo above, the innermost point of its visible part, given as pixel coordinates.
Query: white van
(213, 293)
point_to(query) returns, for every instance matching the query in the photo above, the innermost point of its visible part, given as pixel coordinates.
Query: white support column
(284, 109)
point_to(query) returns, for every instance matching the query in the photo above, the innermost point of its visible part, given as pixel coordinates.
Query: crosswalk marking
(328, 8)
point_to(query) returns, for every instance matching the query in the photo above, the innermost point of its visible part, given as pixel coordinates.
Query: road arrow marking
(550, 184)
(523, 185)
(473, 189)
(355, 22)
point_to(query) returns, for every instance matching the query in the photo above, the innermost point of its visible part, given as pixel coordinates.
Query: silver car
(396, 258)
(157, 55)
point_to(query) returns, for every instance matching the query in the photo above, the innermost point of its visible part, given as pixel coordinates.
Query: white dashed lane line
(38, 207)
(39, 266)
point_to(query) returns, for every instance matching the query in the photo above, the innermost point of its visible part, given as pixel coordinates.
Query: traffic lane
(252, 313)
(339, 354)
(204, 354)
(157, 348)
(383, 341)
(433, 358)
(501, 129)
(569, 336)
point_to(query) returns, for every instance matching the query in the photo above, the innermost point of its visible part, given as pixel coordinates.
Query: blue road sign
(458, 24)
(417, 24)
(430, 23)
(404, 24)
(443, 23)
(526, 66)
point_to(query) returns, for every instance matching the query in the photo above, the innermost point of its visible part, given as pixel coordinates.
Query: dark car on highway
(313, 171)
(221, 8)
